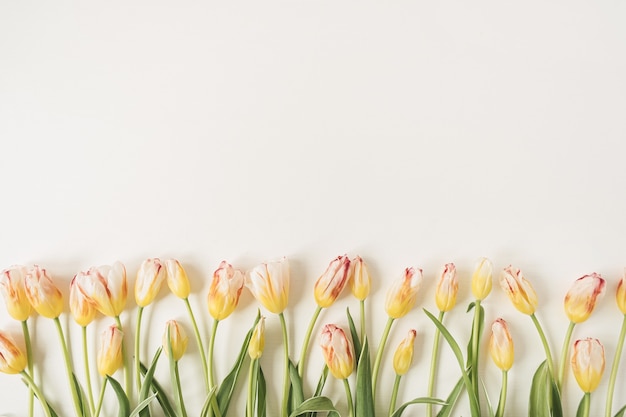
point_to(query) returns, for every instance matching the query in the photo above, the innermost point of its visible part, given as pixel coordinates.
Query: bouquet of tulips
(349, 354)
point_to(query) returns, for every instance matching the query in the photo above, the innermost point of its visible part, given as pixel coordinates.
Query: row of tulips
(103, 290)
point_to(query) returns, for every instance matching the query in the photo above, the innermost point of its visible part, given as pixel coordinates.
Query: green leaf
(122, 399)
(539, 405)
(355, 335)
(164, 402)
(420, 400)
(142, 405)
(621, 412)
(489, 405)
(82, 397)
(207, 402)
(582, 406)
(557, 411)
(297, 394)
(364, 404)
(446, 410)
(147, 382)
(261, 395)
(315, 404)
(321, 382)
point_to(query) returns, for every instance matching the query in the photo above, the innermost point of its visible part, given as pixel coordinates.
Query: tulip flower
(110, 353)
(83, 311)
(14, 293)
(402, 359)
(447, 288)
(402, 295)
(339, 357)
(581, 299)
(150, 278)
(360, 284)
(588, 363)
(481, 279)
(177, 279)
(257, 342)
(519, 290)
(175, 337)
(502, 353)
(225, 291)
(12, 359)
(269, 284)
(105, 287)
(255, 350)
(620, 298)
(620, 295)
(42, 294)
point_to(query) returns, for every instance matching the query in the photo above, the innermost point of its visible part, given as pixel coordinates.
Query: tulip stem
(137, 350)
(101, 397)
(68, 367)
(199, 342)
(307, 338)
(586, 402)
(362, 311)
(179, 391)
(251, 387)
(564, 352)
(35, 389)
(545, 344)
(285, 403)
(127, 379)
(31, 368)
(473, 372)
(211, 350)
(394, 395)
(613, 377)
(346, 385)
(379, 354)
(433, 366)
(503, 390)
(87, 373)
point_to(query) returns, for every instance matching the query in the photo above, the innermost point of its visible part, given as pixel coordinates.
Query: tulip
(105, 287)
(337, 351)
(402, 295)
(360, 280)
(330, 284)
(110, 354)
(588, 363)
(257, 342)
(404, 353)
(83, 311)
(175, 336)
(582, 297)
(177, 279)
(620, 295)
(481, 279)
(520, 291)
(269, 283)
(12, 359)
(150, 278)
(43, 295)
(14, 293)
(447, 288)
(501, 345)
(620, 298)
(225, 291)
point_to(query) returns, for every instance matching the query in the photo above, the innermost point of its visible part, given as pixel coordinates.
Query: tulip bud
(447, 288)
(581, 299)
(225, 291)
(12, 359)
(109, 357)
(520, 292)
(330, 284)
(177, 279)
(588, 363)
(43, 295)
(175, 336)
(481, 279)
(337, 351)
(150, 278)
(620, 295)
(81, 308)
(105, 287)
(269, 283)
(404, 354)
(402, 295)
(501, 345)
(257, 342)
(14, 293)
(360, 280)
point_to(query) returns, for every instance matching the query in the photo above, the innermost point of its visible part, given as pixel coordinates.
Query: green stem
(35, 389)
(199, 343)
(31, 367)
(101, 397)
(475, 350)
(502, 401)
(346, 385)
(379, 354)
(545, 344)
(613, 377)
(564, 354)
(285, 403)
(87, 373)
(362, 311)
(433, 366)
(251, 389)
(587, 403)
(394, 395)
(137, 350)
(68, 367)
(211, 350)
(181, 400)
(307, 338)
(128, 383)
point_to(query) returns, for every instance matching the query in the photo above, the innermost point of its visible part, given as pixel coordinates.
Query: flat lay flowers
(353, 352)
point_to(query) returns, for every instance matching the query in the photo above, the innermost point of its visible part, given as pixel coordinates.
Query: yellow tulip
(402, 295)
(83, 311)
(337, 351)
(582, 297)
(447, 288)
(150, 278)
(360, 280)
(105, 287)
(12, 359)
(14, 293)
(269, 283)
(519, 290)
(225, 291)
(257, 342)
(330, 284)
(620, 295)
(588, 363)
(109, 358)
(403, 356)
(501, 345)
(481, 279)
(177, 279)
(43, 295)
(177, 338)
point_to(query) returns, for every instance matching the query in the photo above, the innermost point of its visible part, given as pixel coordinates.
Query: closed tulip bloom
(501, 345)
(402, 295)
(225, 291)
(588, 363)
(257, 342)
(330, 284)
(620, 295)
(520, 292)
(481, 279)
(177, 338)
(150, 278)
(14, 293)
(269, 283)
(43, 295)
(81, 308)
(447, 288)
(109, 358)
(105, 287)
(177, 279)
(360, 280)
(404, 354)
(582, 297)
(12, 359)
(337, 351)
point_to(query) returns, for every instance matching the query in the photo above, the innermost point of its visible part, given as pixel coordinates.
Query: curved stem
(564, 352)
(475, 350)
(394, 395)
(379, 354)
(101, 397)
(87, 373)
(586, 404)
(433, 366)
(137, 350)
(285, 403)
(346, 385)
(545, 344)
(181, 400)
(613, 377)
(211, 350)
(307, 338)
(362, 311)
(31, 368)
(502, 401)
(34, 388)
(68, 367)
(127, 379)
(251, 389)
(199, 343)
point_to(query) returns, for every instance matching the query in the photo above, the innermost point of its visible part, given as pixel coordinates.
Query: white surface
(411, 133)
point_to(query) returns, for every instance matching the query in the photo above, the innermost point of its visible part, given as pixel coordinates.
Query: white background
(411, 133)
